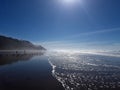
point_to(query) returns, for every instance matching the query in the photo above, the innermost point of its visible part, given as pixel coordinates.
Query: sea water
(84, 71)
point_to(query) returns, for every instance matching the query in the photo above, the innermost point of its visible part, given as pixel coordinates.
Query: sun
(70, 1)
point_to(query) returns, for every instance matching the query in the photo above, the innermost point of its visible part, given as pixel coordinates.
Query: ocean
(59, 71)
(82, 71)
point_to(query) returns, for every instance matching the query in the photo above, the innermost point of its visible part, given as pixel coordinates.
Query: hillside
(8, 43)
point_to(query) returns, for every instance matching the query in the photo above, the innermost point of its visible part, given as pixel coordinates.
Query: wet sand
(31, 73)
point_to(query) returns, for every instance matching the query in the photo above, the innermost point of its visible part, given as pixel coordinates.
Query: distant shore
(22, 51)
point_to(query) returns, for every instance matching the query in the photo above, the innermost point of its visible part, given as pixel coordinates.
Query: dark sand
(26, 73)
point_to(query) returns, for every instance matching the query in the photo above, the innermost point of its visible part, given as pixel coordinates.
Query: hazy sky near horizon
(76, 24)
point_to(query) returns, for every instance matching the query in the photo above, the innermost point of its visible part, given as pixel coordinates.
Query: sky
(63, 24)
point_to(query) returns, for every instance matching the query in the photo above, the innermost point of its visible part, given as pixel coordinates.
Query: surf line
(54, 74)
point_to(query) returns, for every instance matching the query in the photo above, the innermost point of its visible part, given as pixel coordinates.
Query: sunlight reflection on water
(86, 71)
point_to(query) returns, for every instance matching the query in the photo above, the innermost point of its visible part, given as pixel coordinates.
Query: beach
(27, 72)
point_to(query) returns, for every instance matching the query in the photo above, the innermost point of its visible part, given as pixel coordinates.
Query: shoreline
(55, 76)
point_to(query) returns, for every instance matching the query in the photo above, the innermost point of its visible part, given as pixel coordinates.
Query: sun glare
(70, 1)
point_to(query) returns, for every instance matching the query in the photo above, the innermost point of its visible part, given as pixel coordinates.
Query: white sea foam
(54, 73)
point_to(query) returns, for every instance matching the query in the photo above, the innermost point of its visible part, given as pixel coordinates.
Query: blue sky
(88, 24)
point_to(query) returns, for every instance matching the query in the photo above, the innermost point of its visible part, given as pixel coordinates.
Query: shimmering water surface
(60, 71)
(86, 71)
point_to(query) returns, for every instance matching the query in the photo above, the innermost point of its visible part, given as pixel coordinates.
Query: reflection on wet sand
(33, 74)
(12, 58)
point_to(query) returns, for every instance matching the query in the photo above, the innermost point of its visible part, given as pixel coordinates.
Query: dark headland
(8, 43)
